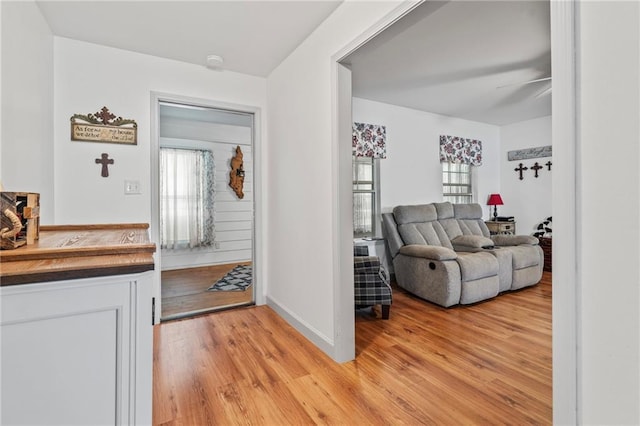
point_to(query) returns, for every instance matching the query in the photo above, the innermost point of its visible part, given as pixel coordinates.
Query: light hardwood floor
(485, 364)
(185, 290)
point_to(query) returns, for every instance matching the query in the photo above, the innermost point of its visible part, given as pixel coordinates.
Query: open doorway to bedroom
(412, 102)
(206, 209)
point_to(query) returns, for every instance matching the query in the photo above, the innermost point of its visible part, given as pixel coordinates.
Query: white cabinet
(77, 352)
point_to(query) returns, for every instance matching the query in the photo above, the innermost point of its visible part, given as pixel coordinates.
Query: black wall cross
(520, 169)
(104, 161)
(548, 164)
(535, 168)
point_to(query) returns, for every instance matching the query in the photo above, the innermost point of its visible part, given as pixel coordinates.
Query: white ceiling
(444, 57)
(452, 58)
(253, 37)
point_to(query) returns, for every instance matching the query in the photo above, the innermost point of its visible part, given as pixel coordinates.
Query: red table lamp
(495, 200)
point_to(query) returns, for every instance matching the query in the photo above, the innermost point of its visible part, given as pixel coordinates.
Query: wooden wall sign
(103, 126)
(236, 175)
(525, 154)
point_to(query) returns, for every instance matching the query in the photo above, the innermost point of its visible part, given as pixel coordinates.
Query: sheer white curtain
(187, 184)
(364, 192)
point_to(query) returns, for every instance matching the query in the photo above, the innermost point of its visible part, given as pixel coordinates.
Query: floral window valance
(458, 150)
(369, 140)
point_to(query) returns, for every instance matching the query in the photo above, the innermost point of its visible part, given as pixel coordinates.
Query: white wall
(529, 199)
(88, 77)
(1, 99)
(26, 146)
(302, 202)
(412, 173)
(608, 201)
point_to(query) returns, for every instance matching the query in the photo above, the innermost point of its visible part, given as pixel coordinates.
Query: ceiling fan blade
(544, 92)
(525, 82)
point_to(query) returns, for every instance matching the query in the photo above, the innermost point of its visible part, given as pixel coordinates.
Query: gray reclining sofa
(443, 253)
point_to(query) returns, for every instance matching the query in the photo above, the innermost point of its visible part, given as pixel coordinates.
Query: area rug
(238, 279)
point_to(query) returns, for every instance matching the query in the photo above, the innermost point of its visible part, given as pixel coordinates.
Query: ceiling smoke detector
(215, 62)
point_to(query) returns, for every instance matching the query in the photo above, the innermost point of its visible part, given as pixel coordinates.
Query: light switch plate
(132, 187)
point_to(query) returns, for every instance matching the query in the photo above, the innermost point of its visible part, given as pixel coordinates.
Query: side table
(546, 245)
(499, 227)
(377, 247)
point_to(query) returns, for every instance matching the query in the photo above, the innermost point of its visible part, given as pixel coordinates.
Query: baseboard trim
(316, 337)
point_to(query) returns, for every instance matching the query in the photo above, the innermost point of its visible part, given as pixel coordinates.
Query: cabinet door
(70, 350)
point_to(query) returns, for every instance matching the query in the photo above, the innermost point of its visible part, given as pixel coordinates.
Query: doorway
(566, 248)
(206, 227)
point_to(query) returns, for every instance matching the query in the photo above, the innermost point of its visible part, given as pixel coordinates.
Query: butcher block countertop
(66, 252)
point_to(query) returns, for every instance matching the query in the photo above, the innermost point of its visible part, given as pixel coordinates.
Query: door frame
(257, 232)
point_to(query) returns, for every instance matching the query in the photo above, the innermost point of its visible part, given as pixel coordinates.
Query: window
(186, 198)
(365, 196)
(456, 183)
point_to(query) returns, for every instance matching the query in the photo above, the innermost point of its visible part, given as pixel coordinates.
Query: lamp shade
(495, 200)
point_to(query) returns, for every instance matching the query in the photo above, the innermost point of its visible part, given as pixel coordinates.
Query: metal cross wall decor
(535, 168)
(520, 169)
(105, 161)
